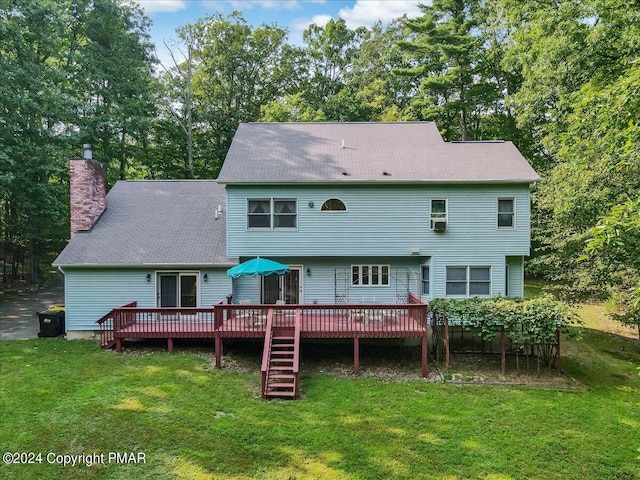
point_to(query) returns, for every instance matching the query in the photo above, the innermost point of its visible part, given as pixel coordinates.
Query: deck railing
(160, 322)
(328, 320)
(108, 325)
(235, 320)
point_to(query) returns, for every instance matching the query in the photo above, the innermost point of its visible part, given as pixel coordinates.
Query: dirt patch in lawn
(486, 369)
(377, 360)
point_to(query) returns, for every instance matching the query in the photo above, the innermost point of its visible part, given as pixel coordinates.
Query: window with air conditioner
(438, 214)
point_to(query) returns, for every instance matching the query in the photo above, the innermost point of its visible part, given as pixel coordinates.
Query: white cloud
(367, 12)
(299, 25)
(153, 6)
(265, 4)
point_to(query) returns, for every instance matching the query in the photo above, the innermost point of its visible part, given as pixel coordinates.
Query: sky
(295, 15)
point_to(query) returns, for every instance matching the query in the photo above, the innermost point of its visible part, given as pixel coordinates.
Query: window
(272, 213)
(333, 205)
(177, 290)
(285, 214)
(479, 281)
(468, 282)
(506, 213)
(369, 275)
(259, 214)
(425, 280)
(438, 214)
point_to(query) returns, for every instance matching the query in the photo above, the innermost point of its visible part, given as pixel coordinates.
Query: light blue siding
(92, 293)
(516, 276)
(382, 220)
(329, 278)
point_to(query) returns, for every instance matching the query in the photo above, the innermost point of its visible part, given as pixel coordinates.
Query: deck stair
(282, 359)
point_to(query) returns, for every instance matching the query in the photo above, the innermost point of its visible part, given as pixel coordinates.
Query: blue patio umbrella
(258, 266)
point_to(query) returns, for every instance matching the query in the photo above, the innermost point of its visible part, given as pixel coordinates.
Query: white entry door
(178, 290)
(287, 287)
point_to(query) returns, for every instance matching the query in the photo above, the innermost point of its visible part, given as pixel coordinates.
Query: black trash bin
(51, 323)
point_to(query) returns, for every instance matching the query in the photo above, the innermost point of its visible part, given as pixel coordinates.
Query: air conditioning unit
(438, 225)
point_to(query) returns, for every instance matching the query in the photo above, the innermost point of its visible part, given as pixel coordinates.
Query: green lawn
(194, 422)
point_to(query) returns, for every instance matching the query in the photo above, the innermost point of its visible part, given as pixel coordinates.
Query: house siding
(330, 277)
(382, 220)
(92, 293)
(516, 276)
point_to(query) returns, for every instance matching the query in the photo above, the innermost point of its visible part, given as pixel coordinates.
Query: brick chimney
(88, 192)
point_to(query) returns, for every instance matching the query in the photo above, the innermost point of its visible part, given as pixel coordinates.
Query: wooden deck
(225, 320)
(313, 326)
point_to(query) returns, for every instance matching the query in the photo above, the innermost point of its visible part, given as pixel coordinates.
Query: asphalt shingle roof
(156, 223)
(366, 152)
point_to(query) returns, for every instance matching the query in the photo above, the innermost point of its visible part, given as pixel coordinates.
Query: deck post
(119, 345)
(503, 352)
(356, 355)
(425, 366)
(447, 359)
(218, 348)
(170, 345)
(558, 364)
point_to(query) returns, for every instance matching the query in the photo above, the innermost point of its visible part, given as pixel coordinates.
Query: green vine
(534, 321)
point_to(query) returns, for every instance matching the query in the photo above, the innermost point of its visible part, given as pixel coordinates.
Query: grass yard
(194, 422)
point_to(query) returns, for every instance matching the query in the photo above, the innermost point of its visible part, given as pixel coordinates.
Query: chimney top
(87, 151)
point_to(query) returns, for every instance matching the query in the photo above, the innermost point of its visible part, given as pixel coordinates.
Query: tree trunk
(463, 125)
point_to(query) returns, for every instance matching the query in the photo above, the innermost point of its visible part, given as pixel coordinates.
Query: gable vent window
(333, 205)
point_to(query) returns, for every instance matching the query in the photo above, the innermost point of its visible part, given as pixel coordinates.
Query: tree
(115, 83)
(74, 71)
(580, 94)
(447, 58)
(614, 251)
(236, 70)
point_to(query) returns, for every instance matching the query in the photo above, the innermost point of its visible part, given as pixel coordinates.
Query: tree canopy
(560, 79)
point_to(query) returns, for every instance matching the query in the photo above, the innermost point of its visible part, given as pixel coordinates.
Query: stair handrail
(296, 352)
(108, 325)
(267, 343)
(296, 341)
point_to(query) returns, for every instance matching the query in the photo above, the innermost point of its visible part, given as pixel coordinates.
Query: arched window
(333, 205)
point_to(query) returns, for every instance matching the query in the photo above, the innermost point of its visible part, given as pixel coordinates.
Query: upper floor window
(272, 213)
(369, 275)
(468, 281)
(333, 205)
(506, 213)
(438, 214)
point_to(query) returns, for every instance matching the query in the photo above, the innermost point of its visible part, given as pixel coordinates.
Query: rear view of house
(366, 212)
(360, 212)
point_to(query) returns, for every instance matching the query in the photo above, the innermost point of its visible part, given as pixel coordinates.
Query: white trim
(370, 275)
(426, 264)
(346, 209)
(468, 281)
(179, 273)
(272, 213)
(301, 271)
(446, 212)
(513, 226)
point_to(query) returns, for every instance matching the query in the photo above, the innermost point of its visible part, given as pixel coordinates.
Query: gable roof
(366, 152)
(155, 223)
